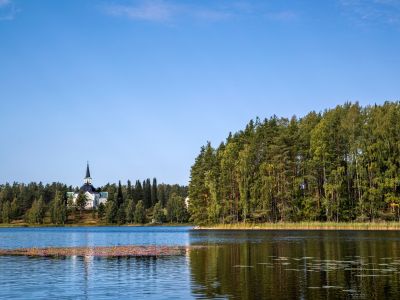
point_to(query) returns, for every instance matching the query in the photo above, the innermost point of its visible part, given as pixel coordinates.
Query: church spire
(87, 170)
(88, 179)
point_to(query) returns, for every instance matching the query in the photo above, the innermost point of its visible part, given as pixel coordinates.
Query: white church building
(93, 196)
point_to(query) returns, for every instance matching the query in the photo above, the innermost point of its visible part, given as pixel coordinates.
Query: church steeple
(88, 179)
(87, 171)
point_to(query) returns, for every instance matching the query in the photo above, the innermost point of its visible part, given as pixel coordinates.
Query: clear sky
(136, 87)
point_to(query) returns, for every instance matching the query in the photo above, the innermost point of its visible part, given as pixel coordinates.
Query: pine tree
(161, 195)
(154, 199)
(129, 190)
(138, 192)
(147, 193)
(119, 198)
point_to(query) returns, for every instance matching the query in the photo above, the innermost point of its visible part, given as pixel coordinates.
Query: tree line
(35, 203)
(144, 202)
(342, 164)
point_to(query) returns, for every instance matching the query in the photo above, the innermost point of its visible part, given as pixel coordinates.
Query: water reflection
(297, 265)
(94, 278)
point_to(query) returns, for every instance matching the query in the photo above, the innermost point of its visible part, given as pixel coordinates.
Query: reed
(305, 226)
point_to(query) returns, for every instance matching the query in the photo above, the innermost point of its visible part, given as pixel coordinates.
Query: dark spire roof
(87, 171)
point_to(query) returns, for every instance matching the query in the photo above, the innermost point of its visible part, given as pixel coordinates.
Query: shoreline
(25, 225)
(383, 226)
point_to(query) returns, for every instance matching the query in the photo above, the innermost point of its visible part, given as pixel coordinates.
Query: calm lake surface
(234, 265)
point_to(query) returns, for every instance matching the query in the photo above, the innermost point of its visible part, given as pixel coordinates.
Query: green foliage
(15, 209)
(111, 211)
(154, 192)
(58, 210)
(121, 215)
(340, 165)
(35, 214)
(158, 213)
(6, 212)
(161, 195)
(101, 210)
(119, 197)
(81, 202)
(147, 193)
(130, 211)
(140, 213)
(176, 209)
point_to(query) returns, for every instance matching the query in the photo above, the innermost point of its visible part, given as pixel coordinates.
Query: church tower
(88, 179)
(94, 196)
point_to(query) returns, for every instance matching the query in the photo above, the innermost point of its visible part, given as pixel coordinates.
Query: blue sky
(136, 87)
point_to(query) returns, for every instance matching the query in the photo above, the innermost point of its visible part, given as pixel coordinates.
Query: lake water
(233, 265)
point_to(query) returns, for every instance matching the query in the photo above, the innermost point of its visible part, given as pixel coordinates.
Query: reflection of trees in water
(105, 274)
(279, 269)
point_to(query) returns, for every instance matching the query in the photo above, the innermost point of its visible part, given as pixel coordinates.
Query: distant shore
(305, 226)
(23, 225)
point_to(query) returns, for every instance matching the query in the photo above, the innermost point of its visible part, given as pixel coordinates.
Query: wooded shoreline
(339, 165)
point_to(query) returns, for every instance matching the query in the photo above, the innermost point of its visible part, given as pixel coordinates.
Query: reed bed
(305, 226)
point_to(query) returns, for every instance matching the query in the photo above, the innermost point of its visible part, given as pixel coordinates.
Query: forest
(139, 203)
(339, 165)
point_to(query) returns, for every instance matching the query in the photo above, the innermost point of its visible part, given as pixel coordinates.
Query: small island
(109, 251)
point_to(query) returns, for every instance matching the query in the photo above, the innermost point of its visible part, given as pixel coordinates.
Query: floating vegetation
(113, 251)
(281, 258)
(349, 291)
(358, 266)
(388, 270)
(371, 275)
